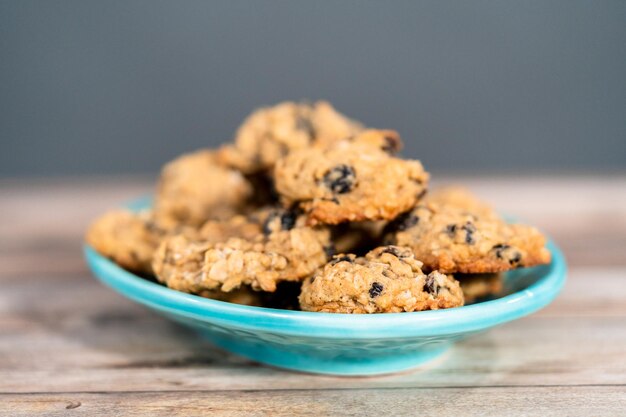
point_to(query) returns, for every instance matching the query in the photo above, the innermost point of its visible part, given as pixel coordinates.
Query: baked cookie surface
(272, 132)
(243, 226)
(352, 180)
(196, 187)
(288, 250)
(178, 260)
(127, 238)
(452, 239)
(274, 246)
(387, 280)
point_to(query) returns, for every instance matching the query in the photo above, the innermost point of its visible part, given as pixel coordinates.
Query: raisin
(329, 250)
(392, 144)
(153, 228)
(376, 289)
(395, 251)
(266, 225)
(332, 200)
(305, 124)
(287, 221)
(469, 233)
(392, 250)
(431, 286)
(469, 226)
(340, 258)
(515, 259)
(340, 179)
(499, 248)
(451, 229)
(283, 148)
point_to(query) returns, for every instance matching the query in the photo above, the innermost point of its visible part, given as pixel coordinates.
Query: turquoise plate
(340, 344)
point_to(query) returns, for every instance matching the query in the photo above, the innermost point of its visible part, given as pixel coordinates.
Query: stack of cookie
(309, 209)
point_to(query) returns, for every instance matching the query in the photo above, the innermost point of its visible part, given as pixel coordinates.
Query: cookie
(385, 140)
(350, 181)
(272, 132)
(387, 280)
(196, 187)
(244, 226)
(288, 250)
(478, 287)
(452, 239)
(178, 262)
(179, 258)
(128, 239)
(284, 250)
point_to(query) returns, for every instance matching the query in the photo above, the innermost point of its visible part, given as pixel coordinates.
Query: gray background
(96, 87)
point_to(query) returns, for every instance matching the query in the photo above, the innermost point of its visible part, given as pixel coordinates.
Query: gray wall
(92, 87)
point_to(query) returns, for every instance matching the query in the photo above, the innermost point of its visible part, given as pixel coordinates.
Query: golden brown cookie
(178, 261)
(272, 132)
(285, 250)
(196, 187)
(350, 181)
(289, 250)
(384, 140)
(179, 258)
(452, 239)
(127, 238)
(246, 227)
(387, 280)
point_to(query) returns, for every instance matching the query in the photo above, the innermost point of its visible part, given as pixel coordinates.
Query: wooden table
(69, 346)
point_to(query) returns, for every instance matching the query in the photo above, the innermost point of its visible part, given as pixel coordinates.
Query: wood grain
(70, 345)
(499, 401)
